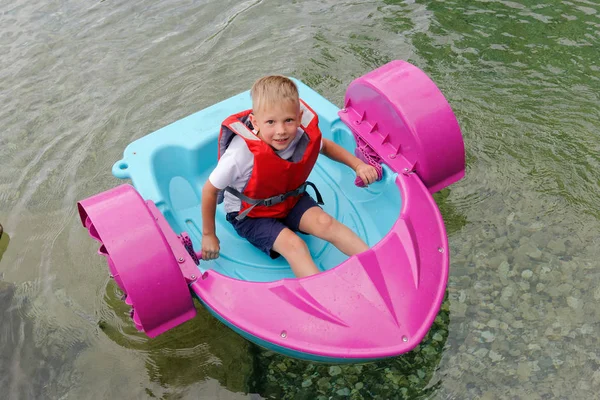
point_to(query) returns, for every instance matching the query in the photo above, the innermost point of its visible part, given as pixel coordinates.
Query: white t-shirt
(235, 167)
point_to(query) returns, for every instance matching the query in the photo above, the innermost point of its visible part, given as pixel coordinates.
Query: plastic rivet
(357, 122)
(392, 156)
(283, 334)
(344, 110)
(404, 339)
(441, 249)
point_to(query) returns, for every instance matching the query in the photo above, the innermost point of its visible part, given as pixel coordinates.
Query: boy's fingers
(369, 176)
(210, 255)
(373, 174)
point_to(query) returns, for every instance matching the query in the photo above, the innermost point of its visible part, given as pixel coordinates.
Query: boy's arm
(337, 153)
(210, 242)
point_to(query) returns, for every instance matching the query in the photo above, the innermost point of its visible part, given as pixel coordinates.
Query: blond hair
(272, 89)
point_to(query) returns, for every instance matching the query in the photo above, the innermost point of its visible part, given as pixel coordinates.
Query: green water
(80, 80)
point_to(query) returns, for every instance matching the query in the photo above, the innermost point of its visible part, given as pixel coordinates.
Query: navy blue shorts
(262, 232)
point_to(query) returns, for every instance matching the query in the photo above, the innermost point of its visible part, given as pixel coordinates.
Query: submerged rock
(527, 274)
(408, 376)
(557, 246)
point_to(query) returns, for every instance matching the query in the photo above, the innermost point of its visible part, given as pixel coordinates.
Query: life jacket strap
(271, 201)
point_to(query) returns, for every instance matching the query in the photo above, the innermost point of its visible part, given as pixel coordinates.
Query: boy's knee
(295, 245)
(324, 223)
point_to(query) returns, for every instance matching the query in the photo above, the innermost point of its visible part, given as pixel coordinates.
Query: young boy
(265, 157)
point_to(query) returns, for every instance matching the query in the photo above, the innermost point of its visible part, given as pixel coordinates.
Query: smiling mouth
(280, 140)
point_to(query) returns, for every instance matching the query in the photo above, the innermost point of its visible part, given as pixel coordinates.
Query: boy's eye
(289, 120)
(270, 122)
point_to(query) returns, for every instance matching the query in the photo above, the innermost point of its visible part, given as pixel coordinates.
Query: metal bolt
(193, 276)
(181, 259)
(404, 339)
(283, 334)
(441, 249)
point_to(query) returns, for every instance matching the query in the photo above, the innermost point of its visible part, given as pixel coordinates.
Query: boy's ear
(252, 120)
(300, 115)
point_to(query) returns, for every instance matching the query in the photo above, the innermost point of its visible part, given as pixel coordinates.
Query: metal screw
(344, 110)
(193, 276)
(392, 156)
(357, 122)
(181, 259)
(441, 249)
(404, 339)
(283, 334)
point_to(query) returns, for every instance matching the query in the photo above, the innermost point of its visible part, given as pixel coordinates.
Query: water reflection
(201, 348)
(4, 240)
(453, 219)
(29, 370)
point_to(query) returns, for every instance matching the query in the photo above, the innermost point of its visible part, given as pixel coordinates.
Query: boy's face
(277, 124)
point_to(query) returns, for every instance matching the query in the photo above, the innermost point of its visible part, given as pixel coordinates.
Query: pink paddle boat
(377, 304)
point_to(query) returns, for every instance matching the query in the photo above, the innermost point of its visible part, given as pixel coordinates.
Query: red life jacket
(271, 175)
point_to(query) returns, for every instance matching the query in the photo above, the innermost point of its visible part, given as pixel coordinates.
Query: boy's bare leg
(295, 251)
(317, 222)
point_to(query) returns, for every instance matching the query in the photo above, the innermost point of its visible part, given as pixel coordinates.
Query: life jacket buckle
(271, 201)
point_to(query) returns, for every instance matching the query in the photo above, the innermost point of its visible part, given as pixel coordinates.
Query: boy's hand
(210, 247)
(366, 172)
